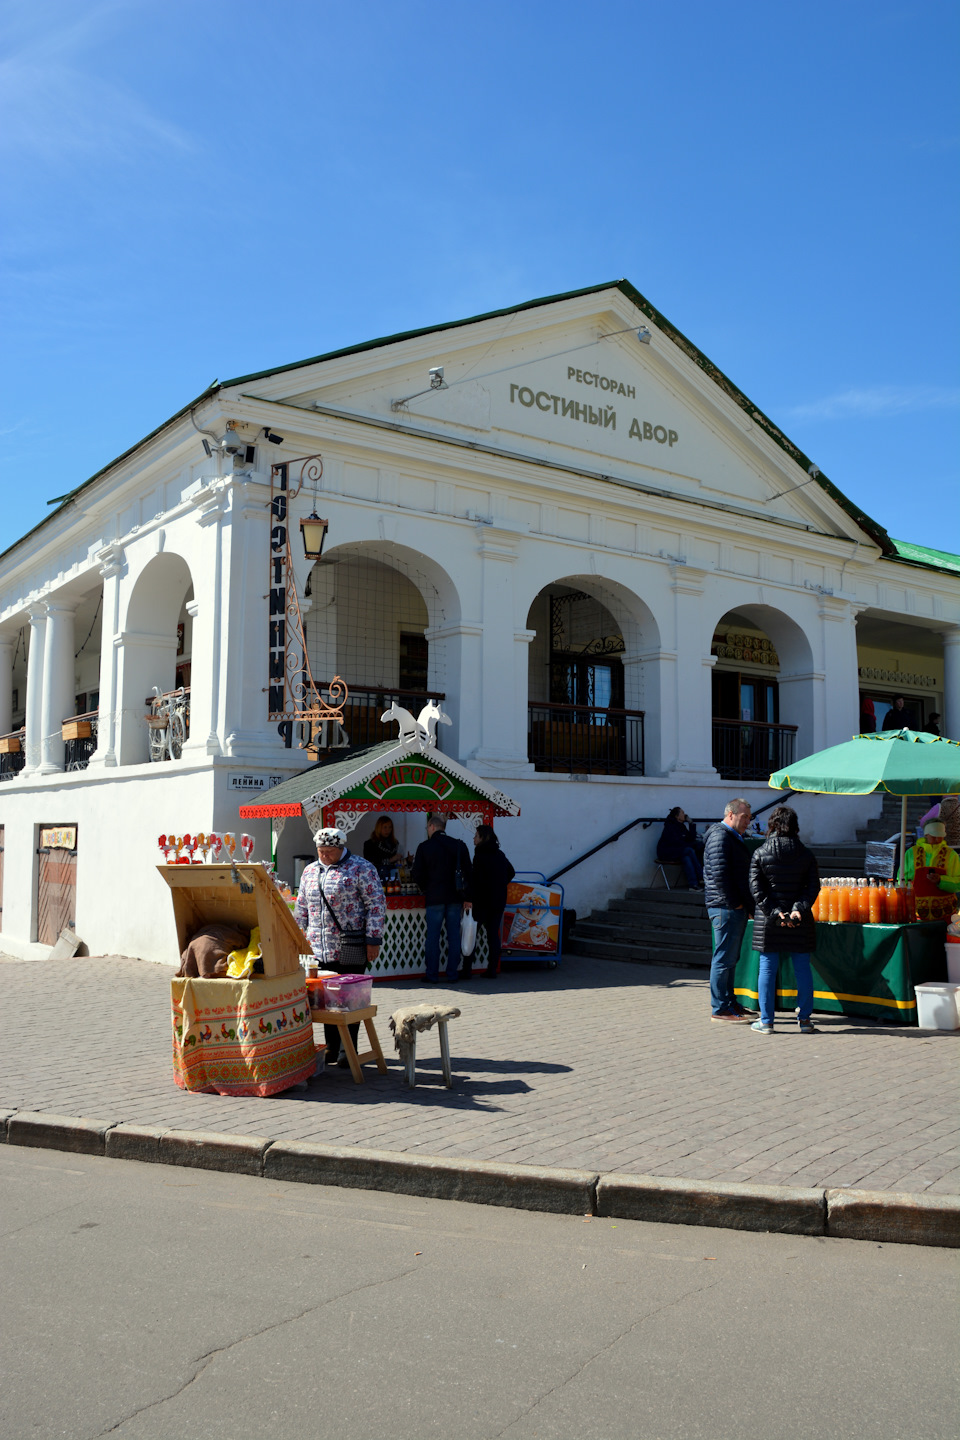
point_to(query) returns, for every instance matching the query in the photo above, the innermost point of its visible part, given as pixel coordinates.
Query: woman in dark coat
(382, 848)
(678, 845)
(492, 873)
(784, 883)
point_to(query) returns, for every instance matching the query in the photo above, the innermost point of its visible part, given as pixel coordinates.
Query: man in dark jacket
(726, 880)
(435, 868)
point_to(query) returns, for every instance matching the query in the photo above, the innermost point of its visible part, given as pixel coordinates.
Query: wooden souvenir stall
(240, 1037)
(391, 778)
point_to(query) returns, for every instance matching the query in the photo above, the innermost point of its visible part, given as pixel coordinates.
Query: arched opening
(762, 701)
(155, 652)
(899, 659)
(585, 685)
(377, 617)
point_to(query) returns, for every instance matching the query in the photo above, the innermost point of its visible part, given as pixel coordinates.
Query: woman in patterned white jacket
(338, 895)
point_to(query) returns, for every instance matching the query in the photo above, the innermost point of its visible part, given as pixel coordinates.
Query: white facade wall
(476, 507)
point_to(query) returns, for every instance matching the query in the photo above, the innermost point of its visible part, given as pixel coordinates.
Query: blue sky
(200, 188)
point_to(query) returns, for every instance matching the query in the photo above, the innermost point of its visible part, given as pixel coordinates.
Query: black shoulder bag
(353, 943)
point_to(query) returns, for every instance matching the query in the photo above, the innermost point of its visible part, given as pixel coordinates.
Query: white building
(574, 514)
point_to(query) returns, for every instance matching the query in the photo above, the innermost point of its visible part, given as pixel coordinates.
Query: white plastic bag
(468, 933)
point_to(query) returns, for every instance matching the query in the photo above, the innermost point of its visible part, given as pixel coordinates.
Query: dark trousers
(331, 1037)
(492, 929)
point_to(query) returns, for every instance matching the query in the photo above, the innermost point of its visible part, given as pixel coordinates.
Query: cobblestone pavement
(596, 1065)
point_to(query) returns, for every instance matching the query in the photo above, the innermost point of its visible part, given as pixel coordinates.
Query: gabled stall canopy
(402, 777)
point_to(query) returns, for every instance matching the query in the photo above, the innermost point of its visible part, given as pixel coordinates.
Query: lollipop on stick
(246, 845)
(230, 844)
(216, 842)
(203, 844)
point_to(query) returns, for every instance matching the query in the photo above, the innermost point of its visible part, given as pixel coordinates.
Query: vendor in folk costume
(934, 871)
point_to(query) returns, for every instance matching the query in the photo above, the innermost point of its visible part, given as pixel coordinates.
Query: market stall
(859, 967)
(409, 776)
(239, 1036)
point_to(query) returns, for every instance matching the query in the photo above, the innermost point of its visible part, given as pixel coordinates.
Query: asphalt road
(143, 1301)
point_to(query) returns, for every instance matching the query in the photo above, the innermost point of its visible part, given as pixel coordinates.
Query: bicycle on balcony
(168, 722)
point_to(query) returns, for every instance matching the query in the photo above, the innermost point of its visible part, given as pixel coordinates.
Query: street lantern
(313, 530)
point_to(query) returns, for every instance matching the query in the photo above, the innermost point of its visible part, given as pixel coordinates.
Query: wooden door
(57, 884)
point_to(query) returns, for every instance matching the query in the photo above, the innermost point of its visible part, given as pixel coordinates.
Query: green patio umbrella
(902, 762)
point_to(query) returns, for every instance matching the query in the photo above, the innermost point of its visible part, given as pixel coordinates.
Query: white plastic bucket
(937, 1006)
(952, 948)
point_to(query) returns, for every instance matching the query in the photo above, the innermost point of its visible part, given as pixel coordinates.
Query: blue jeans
(767, 985)
(436, 915)
(728, 927)
(691, 864)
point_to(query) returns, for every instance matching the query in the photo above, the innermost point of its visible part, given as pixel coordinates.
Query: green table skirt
(857, 969)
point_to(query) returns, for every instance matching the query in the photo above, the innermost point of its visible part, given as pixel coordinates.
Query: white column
(835, 691)
(6, 685)
(951, 683)
(206, 680)
(111, 568)
(58, 684)
(694, 701)
(650, 685)
(499, 690)
(33, 722)
(455, 669)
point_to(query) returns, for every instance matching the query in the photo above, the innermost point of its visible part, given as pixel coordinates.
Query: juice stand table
(240, 1037)
(857, 969)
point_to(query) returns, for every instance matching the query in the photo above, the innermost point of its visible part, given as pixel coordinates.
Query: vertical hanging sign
(293, 697)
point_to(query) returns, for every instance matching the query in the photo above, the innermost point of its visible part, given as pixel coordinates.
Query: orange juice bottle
(875, 904)
(863, 902)
(843, 903)
(815, 907)
(892, 905)
(829, 906)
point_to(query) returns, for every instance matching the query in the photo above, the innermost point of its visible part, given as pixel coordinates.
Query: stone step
(667, 914)
(636, 954)
(598, 929)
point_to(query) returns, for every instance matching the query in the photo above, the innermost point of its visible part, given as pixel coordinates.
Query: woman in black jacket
(784, 882)
(492, 873)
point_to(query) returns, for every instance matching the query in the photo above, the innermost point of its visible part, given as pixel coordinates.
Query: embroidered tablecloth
(242, 1037)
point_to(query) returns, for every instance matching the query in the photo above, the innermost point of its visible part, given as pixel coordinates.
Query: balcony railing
(12, 756)
(361, 716)
(585, 740)
(80, 739)
(751, 750)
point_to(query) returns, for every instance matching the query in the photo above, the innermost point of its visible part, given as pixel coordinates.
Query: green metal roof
(327, 772)
(932, 559)
(876, 532)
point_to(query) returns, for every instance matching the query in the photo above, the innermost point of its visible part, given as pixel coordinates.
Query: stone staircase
(887, 822)
(647, 927)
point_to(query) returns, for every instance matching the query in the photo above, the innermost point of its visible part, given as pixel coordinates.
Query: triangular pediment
(569, 382)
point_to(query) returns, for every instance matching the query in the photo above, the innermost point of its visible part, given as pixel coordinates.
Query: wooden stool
(344, 1018)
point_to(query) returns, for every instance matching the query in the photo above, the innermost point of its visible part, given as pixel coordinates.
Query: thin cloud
(52, 107)
(876, 402)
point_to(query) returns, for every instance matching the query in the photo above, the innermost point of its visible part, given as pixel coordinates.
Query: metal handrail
(646, 821)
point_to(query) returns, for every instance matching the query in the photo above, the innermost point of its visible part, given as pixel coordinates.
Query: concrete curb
(482, 1182)
(693, 1202)
(57, 1132)
(894, 1219)
(883, 1216)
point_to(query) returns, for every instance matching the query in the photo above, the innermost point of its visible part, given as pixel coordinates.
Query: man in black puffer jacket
(726, 882)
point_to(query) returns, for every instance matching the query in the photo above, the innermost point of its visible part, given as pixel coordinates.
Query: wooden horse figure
(429, 718)
(409, 728)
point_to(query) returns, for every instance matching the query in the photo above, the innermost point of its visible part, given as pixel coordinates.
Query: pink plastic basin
(348, 992)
